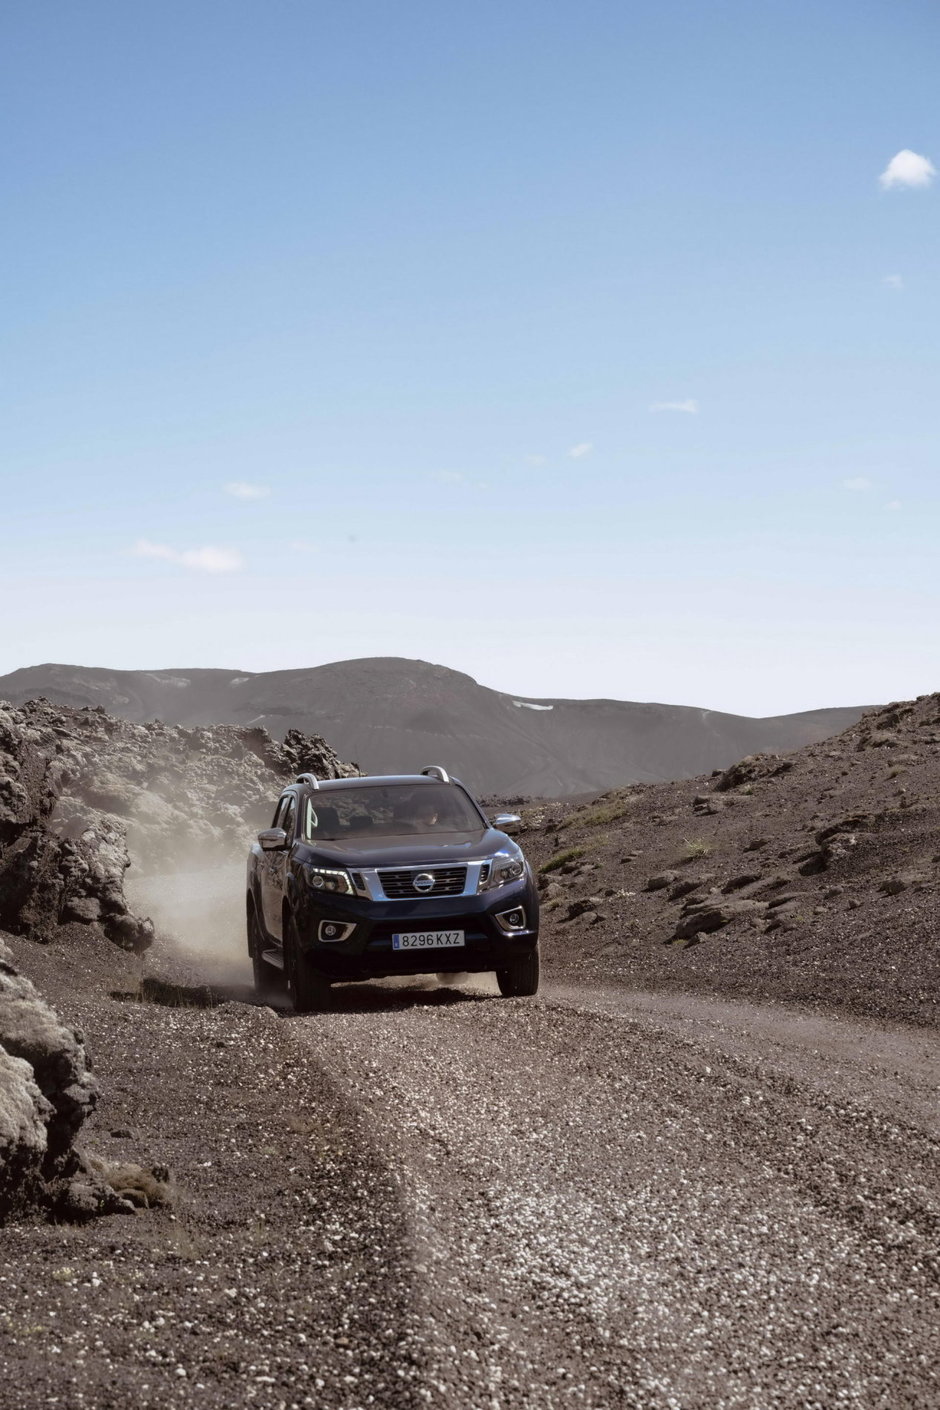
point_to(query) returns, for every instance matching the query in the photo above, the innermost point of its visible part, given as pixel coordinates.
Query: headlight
(326, 879)
(500, 869)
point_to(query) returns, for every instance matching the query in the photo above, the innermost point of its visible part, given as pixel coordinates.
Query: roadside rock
(23, 1115)
(878, 739)
(662, 880)
(904, 881)
(753, 766)
(586, 908)
(712, 914)
(786, 915)
(707, 804)
(46, 1092)
(737, 883)
(690, 884)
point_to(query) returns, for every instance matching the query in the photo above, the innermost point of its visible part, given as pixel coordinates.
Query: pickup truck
(363, 878)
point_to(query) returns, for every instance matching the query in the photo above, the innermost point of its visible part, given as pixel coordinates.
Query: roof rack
(310, 779)
(435, 771)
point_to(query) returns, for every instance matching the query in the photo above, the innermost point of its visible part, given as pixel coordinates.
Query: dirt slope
(813, 877)
(394, 715)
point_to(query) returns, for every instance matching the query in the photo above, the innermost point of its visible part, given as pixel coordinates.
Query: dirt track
(433, 1196)
(658, 1203)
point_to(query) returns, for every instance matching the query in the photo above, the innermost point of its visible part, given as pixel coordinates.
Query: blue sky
(577, 346)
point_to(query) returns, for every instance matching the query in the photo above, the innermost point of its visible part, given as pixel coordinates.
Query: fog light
(334, 930)
(512, 920)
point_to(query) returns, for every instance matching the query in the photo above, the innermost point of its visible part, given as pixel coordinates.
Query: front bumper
(367, 952)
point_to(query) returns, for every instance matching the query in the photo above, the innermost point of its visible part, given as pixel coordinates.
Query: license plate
(428, 940)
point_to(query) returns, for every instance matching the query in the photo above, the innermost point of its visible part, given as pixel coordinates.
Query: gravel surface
(610, 1209)
(433, 1196)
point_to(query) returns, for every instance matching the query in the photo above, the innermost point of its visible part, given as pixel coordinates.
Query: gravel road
(624, 1200)
(436, 1197)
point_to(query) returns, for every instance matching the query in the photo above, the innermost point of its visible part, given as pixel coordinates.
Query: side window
(280, 812)
(288, 823)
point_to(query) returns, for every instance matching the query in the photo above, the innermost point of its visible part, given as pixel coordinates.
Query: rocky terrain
(46, 1091)
(700, 1170)
(80, 794)
(81, 790)
(812, 877)
(396, 715)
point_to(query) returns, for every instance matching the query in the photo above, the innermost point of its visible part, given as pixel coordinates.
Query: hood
(445, 849)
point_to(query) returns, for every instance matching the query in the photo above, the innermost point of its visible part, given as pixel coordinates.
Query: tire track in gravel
(614, 1205)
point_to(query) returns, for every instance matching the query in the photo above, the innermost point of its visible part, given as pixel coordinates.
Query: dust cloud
(199, 916)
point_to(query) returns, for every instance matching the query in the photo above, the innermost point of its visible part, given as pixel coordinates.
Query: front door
(274, 870)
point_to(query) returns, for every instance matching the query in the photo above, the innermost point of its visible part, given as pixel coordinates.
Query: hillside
(171, 1145)
(392, 714)
(811, 878)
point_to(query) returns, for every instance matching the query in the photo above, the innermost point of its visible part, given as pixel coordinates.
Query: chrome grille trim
(397, 882)
(373, 888)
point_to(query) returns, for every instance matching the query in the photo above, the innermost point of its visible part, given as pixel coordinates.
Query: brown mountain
(392, 714)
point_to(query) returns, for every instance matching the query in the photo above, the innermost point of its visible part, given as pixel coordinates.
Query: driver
(426, 813)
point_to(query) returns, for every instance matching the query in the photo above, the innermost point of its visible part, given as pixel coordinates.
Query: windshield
(389, 810)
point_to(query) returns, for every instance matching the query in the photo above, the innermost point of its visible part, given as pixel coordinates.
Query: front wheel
(520, 978)
(309, 990)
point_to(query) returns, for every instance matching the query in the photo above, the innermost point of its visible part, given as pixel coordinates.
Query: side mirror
(273, 839)
(507, 822)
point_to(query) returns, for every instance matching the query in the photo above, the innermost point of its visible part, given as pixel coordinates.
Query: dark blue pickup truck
(363, 878)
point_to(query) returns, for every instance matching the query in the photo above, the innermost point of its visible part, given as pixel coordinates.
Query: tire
(520, 979)
(309, 991)
(267, 977)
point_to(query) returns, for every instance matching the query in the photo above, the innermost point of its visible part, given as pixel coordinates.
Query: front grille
(399, 885)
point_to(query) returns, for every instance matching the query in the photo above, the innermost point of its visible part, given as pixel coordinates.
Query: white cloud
(457, 477)
(907, 168)
(893, 281)
(536, 460)
(143, 548)
(241, 489)
(893, 504)
(212, 560)
(857, 483)
(690, 406)
(582, 449)
(203, 560)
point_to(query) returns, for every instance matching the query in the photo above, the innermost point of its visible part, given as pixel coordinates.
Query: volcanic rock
(737, 883)
(81, 792)
(46, 1092)
(710, 915)
(662, 880)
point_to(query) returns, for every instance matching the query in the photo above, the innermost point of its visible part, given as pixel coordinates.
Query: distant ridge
(392, 714)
